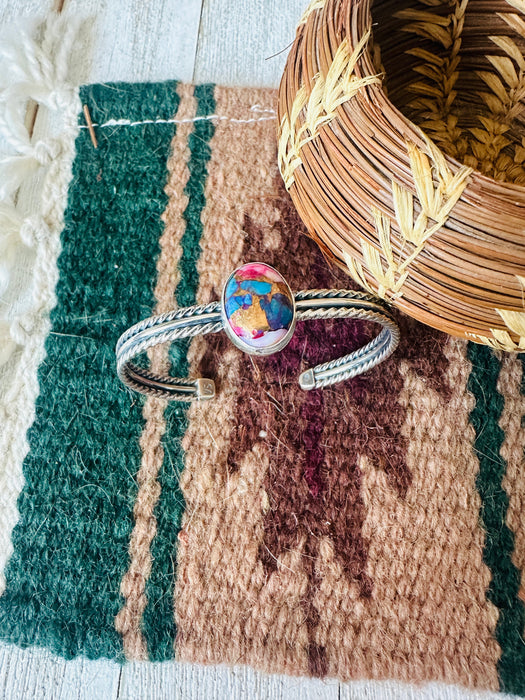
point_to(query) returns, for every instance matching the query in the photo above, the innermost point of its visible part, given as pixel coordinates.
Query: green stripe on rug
(63, 579)
(158, 621)
(499, 540)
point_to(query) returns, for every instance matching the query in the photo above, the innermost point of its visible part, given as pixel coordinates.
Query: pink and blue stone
(258, 308)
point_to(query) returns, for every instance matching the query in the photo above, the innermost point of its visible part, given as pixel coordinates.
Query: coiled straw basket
(417, 193)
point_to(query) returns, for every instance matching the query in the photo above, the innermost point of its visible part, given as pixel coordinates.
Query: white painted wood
(36, 674)
(238, 37)
(135, 40)
(191, 682)
(390, 690)
(140, 41)
(10, 11)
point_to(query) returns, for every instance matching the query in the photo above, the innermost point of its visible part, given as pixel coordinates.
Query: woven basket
(416, 194)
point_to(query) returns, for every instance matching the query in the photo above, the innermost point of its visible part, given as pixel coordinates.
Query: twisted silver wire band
(206, 318)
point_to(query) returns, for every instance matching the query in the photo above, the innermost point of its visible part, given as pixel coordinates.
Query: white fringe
(34, 178)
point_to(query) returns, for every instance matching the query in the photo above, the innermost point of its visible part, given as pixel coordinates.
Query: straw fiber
(402, 145)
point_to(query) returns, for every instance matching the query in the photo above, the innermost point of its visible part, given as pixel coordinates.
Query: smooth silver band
(206, 318)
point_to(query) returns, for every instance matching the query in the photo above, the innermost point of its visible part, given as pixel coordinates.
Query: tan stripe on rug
(220, 576)
(128, 620)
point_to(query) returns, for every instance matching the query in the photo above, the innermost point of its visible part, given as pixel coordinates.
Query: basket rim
(389, 228)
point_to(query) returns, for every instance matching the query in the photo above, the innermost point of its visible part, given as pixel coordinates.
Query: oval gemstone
(258, 305)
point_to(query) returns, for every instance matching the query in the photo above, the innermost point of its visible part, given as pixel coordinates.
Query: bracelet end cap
(307, 380)
(205, 389)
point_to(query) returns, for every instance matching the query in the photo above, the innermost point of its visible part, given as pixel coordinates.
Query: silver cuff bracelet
(258, 312)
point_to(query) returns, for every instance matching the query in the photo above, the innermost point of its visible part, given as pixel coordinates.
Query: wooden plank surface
(391, 690)
(36, 674)
(137, 40)
(239, 40)
(190, 682)
(11, 10)
(228, 42)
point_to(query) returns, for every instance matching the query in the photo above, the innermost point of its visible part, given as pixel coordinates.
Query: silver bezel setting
(238, 342)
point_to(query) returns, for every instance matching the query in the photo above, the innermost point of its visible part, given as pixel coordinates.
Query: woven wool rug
(374, 529)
